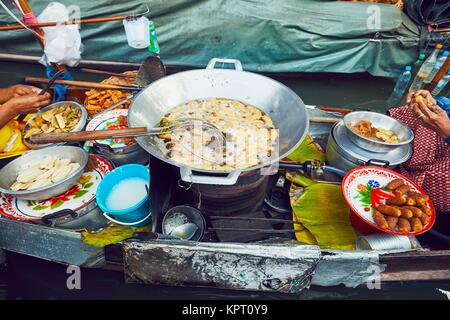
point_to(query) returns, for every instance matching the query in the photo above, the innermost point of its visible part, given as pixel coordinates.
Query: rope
(60, 90)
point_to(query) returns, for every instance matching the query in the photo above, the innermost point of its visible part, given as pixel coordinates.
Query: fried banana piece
(392, 222)
(426, 210)
(403, 225)
(425, 219)
(380, 220)
(406, 213)
(416, 225)
(403, 189)
(396, 201)
(394, 184)
(389, 210)
(417, 213)
(410, 201)
(419, 199)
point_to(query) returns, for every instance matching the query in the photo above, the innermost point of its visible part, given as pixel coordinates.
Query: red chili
(378, 196)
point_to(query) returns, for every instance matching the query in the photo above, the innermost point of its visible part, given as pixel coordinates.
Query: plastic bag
(63, 42)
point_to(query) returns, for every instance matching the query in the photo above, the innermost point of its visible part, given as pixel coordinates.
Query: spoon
(185, 231)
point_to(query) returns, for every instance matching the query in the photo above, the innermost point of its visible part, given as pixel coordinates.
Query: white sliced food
(47, 174)
(16, 186)
(29, 174)
(60, 173)
(47, 162)
(62, 162)
(47, 116)
(39, 184)
(60, 120)
(73, 167)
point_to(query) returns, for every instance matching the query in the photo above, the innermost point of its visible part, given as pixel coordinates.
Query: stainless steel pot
(286, 109)
(342, 153)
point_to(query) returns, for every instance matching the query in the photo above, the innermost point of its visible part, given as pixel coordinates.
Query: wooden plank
(286, 268)
(421, 275)
(416, 261)
(57, 245)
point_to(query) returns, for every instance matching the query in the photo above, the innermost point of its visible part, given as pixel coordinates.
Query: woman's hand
(426, 110)
(17, 91)
(26, 104)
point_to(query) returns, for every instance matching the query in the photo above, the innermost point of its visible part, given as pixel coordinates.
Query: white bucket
(137, 31)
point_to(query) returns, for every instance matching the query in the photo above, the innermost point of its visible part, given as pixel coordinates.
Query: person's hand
(18, 91)
(426, 110)
(411, 98)
(27, 104)
(23, 90)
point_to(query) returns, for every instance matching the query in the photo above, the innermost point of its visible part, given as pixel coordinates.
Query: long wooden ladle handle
(45, 138)
(85, 84)
(324, 119)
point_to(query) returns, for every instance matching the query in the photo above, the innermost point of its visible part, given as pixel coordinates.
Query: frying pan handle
(213, 61)
(188, 176)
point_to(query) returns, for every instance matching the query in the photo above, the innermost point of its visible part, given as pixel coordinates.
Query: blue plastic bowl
(137, 215)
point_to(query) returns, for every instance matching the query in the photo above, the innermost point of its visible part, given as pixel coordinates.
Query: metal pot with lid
(342, 153)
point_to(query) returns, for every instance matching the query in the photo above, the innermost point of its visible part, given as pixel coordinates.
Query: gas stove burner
(277, 201)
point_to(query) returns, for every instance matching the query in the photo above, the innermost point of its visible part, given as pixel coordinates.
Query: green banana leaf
(322, 210)
(307, 151)
(114, 233)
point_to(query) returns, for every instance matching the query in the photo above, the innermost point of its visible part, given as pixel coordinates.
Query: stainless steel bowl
(80, 125)
(378, 120)
(9, 173)
(189, 215)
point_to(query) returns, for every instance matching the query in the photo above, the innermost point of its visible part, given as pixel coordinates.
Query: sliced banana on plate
(43, 173)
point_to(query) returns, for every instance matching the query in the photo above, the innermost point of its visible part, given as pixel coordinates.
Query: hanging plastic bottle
(416, 66)
(437, 66)
(425, 70)
(154, 45)
(400, 87)
(441, 84)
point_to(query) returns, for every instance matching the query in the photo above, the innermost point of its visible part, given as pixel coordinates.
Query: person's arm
(22, 105)
(6, 115)
(16, 91)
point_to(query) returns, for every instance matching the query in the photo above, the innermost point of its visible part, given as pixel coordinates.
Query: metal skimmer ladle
(181, 124)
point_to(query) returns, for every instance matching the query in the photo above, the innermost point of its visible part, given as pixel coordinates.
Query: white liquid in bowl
(126, 194)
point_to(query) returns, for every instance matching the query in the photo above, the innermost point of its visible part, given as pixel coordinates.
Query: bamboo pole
(69, 22)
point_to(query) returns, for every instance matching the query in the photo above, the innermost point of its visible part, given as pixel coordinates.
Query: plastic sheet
(281, 36)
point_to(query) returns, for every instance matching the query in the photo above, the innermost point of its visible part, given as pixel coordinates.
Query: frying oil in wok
(241, 135)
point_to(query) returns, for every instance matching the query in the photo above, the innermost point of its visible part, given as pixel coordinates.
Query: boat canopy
(266, 36)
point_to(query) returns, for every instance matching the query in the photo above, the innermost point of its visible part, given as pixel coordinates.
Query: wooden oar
(86, 84)
(45, 138)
